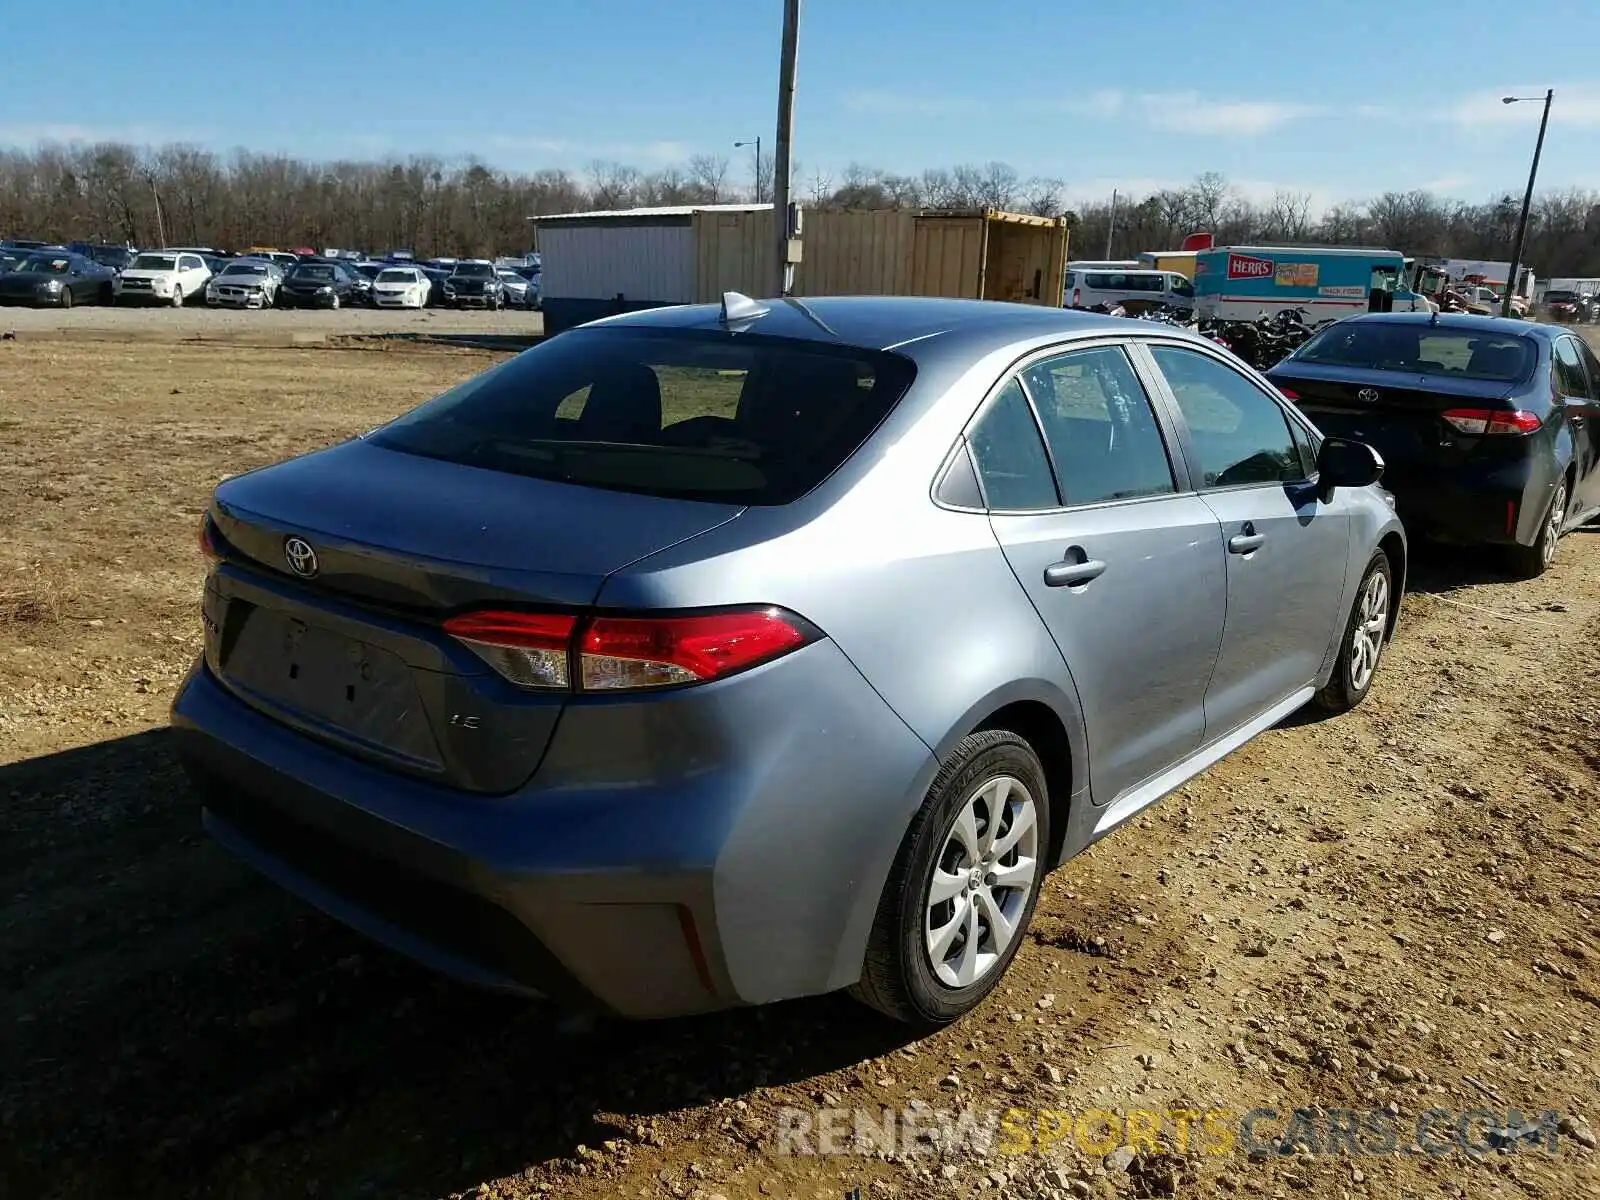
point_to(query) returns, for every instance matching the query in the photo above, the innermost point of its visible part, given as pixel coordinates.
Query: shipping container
(600, 263)
(977, 255)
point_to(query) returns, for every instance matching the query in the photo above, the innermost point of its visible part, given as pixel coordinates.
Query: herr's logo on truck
(1246, 266)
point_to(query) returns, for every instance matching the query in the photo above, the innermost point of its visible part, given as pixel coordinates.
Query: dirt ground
(1396, 907)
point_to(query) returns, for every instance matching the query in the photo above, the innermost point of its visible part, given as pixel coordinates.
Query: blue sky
(1339, 100)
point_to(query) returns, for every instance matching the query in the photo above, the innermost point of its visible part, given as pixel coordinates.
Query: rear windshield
(1423, 350)
(736, 419)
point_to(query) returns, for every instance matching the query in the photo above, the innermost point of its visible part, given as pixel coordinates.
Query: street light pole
(756, 142)
(1527, 199)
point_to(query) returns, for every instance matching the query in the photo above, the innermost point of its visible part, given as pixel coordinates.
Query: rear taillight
(1489, 421)
(532, 650)
(209, 543)
(1288, 393)
(561, 652)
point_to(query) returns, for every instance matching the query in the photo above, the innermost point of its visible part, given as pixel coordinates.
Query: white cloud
(33, 133)
(1189, 112)
(1576, 104)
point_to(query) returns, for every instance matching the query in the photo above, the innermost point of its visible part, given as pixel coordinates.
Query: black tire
(1345, 689)
(1527, 562)
(66, 297)
(898, 977)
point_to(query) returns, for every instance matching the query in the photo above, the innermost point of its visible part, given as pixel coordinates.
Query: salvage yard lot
(1395, 906)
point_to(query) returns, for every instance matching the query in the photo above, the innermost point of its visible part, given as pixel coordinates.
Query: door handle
(1243, 543)
(1070, 574)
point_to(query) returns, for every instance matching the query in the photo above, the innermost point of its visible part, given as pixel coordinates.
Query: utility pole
(1111, 228)
(161, 226)
(783, 164)
(1527, 201)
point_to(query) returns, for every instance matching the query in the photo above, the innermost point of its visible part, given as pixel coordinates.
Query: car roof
(1465, 322)
(889, 322)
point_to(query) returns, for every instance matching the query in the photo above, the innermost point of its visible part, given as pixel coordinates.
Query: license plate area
(329, 680)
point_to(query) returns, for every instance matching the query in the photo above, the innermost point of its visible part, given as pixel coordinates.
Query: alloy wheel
(1372, 622)
(1553, 520)
(981, 882)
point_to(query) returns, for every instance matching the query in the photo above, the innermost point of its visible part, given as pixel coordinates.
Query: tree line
(186, 195)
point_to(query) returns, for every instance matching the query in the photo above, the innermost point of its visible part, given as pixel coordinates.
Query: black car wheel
(66, 297)
(1361, 643)
(956, 906)
(1529, 561)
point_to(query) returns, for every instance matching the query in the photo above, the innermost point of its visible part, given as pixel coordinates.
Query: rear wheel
(963, 887)
(177, 296)
(1528, 561)
(1362, 643)
(66, 297)
(335, 303)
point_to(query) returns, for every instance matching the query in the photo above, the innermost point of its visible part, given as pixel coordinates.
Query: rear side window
(1567, 363)
(1010, 455)
(698, 415)
(1239, 433)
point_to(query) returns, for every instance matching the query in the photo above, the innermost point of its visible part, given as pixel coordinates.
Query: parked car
(115, 257)
(10, 258)
(474, 284)
(700, 658)
(162, 277)
(1489, 427)
(56, 279)
(317, 284)
(28, 244)
(400, 287)
(436, 282)
(361, 276)
(1568, 306)
(515, 288)
(245, 283)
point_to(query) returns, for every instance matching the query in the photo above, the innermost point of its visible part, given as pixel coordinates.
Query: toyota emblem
(301, 557)
(1368, 395)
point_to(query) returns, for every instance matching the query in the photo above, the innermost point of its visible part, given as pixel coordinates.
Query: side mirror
(1342, 462)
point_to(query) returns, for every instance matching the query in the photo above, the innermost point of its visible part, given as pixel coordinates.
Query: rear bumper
(1497, 505)
(684, 853)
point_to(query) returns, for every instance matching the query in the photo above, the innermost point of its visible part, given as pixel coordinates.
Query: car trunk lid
(352, 652)
(1399, 414)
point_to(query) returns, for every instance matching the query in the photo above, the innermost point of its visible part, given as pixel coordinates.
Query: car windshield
(511, 277)
(737, 419)
(473, 270)
(1423, 350)
(397, 275)
(45, 264)
(155, 262)
(245, 269)
(312, 274)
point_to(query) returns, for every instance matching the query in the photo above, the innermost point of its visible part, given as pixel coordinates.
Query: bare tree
(611, 184)
(1043, 197)
(709, 173)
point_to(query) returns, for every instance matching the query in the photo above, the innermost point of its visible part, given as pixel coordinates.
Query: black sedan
(314, 284)
(1489, 428)
(56, 279)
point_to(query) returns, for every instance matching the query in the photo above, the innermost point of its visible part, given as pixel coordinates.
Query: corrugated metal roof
(670, 210)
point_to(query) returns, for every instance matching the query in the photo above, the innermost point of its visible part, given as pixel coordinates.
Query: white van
(1135, 290)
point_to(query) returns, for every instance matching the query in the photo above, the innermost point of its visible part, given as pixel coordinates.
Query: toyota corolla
(712, 655)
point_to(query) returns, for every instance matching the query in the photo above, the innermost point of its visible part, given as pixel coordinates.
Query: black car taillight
(556, 651)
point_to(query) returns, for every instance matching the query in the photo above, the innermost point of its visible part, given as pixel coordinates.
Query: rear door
(1286, 551)
(1577, 376)
(1122, 562)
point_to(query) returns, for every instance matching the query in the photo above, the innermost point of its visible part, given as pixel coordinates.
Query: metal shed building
(600, 263)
